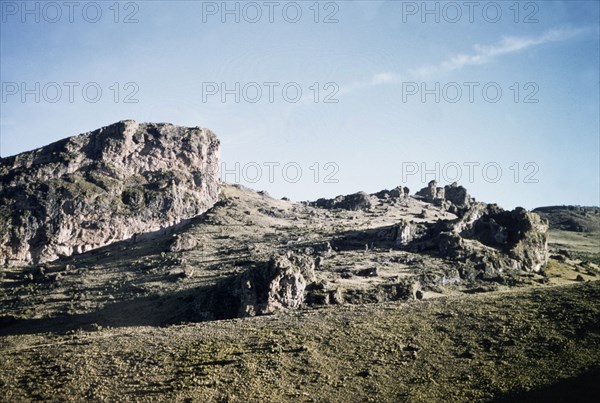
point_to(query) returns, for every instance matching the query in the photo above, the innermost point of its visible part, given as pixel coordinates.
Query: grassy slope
(476, 347)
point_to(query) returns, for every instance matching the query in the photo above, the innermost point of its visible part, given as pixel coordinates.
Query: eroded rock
(399, 192)
(499, 240)
(431, 193)
(96, 188)
(486, 239)
(278, 285)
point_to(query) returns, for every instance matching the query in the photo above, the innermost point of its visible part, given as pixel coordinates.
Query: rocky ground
(365, 308)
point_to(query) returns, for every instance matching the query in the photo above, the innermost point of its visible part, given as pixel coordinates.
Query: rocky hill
(128, 180)
(571, 218)
(91, 190)
(363, 296)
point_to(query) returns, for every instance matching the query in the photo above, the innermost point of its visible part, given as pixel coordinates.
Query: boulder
(405, 233)
(400, 192)
(453, 198)
(409, 232)
(457, 195)
(183, 242)
(457, 199)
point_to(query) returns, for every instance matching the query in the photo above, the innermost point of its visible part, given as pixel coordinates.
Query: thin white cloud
(382, 78)
(481, 55)
(508, 45)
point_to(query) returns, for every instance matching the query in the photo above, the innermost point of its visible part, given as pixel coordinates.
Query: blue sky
(535, 143)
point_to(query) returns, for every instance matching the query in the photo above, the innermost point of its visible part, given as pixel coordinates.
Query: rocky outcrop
(355, 201)
(494, 240)
(520, 234)
(408, 232)
(278, 285)
(457, 199)
(90, 190)
(486, 239)
(453, 198)
(431, 193)
(457, 195)
(398, 193)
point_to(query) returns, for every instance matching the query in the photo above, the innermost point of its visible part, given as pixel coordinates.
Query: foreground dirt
(525, 344)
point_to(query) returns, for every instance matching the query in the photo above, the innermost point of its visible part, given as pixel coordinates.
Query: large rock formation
(431, 193)
(486, 239)
(491, 240)
(90, 190)
(453, 198)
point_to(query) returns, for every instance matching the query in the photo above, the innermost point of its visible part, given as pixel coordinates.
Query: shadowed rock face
(96, 188)
(485, 239)
(278, 285)
(495, 240)
(453, 198)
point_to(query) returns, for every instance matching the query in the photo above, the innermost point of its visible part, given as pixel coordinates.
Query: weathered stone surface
(485, 238)
(405, 234)
(457, 195)
(498, 240)
(399, 192)
(278, 285)
(96, 188)
(457, 199)
(431, 193)
(355, 201)
(409, 232)
(453, 198)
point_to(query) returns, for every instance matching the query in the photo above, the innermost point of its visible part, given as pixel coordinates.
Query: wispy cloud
(482, 54)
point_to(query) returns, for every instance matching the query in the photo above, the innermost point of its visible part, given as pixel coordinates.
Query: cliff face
(96, 188)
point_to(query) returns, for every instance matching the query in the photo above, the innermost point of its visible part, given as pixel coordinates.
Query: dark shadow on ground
(153, 310)
(580, 389)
